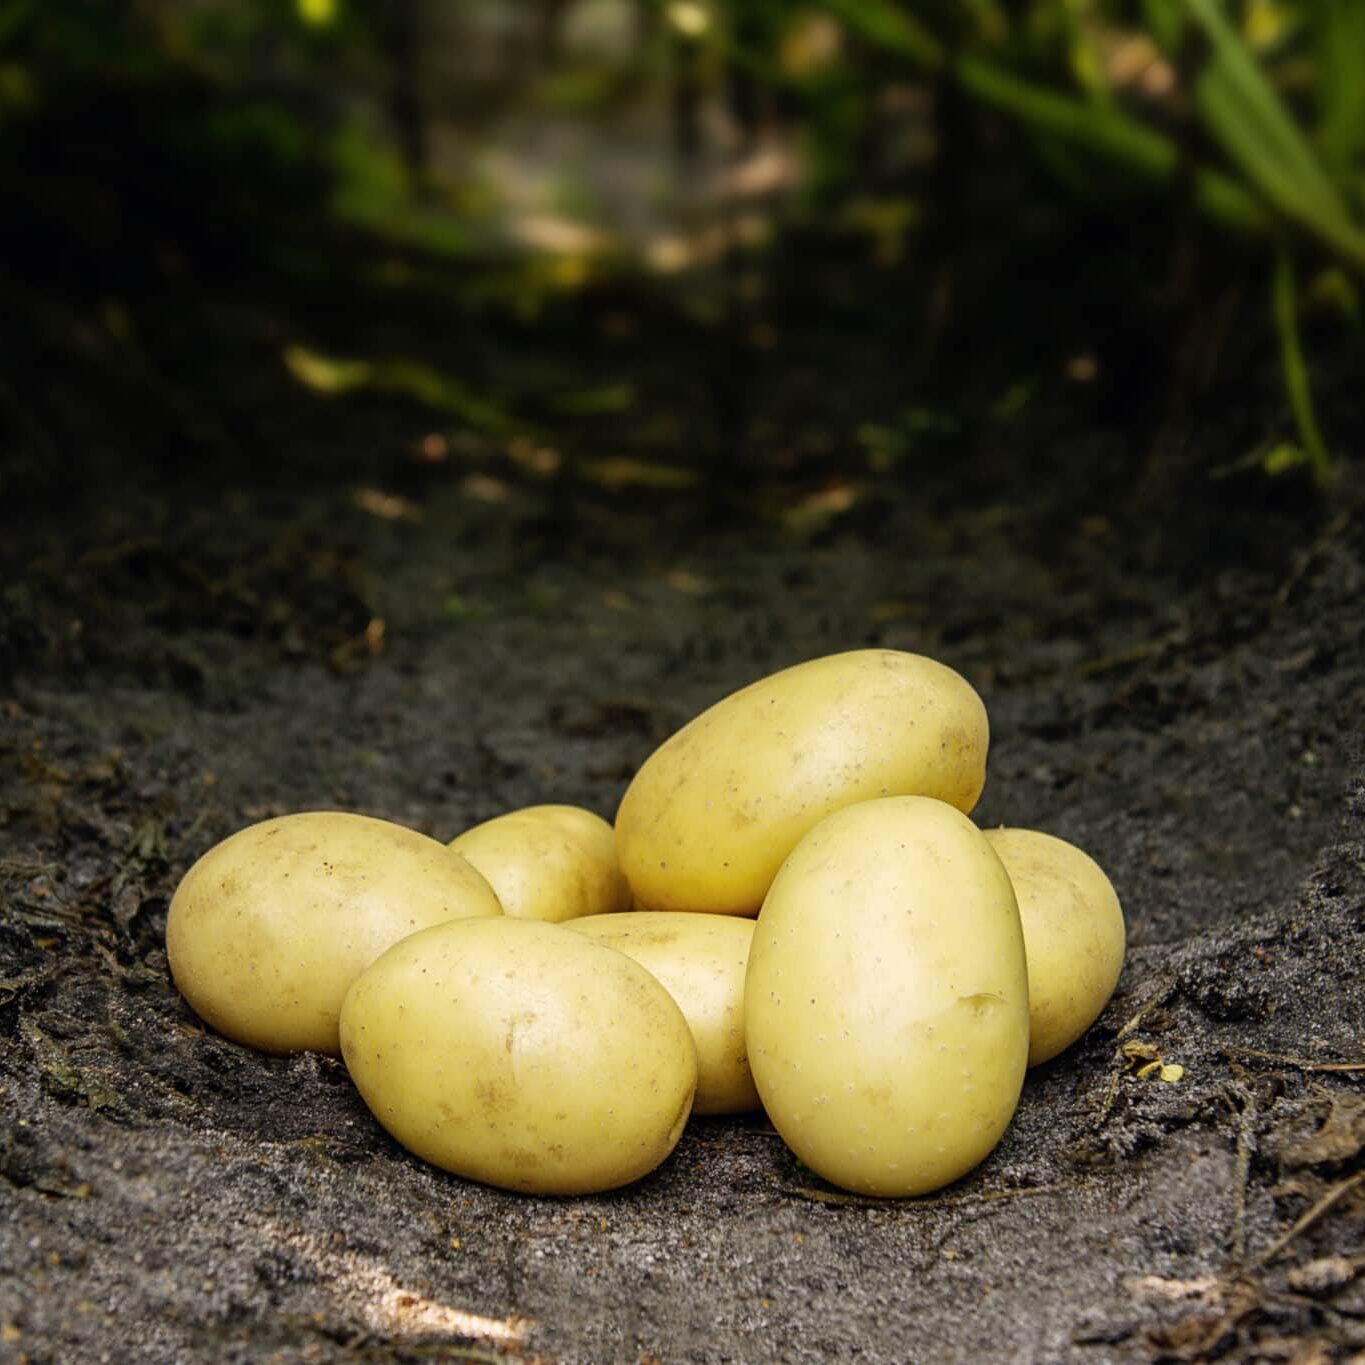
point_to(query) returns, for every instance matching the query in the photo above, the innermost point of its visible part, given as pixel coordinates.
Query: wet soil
(311, 603)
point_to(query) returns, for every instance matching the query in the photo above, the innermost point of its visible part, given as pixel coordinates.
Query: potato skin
(1074, 935)
(522, 1055)
(714, 810)
(551, 863)
(886, 1003)
(700, 961)
(267, 931)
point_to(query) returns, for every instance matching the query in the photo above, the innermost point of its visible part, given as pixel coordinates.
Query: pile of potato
(793, 910)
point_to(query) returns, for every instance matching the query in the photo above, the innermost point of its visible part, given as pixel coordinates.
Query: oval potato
(549, 863)
(522, 1055)
(713, 812)
(700, 961)
(1074, 935)
(267, 931)
(886, 1004)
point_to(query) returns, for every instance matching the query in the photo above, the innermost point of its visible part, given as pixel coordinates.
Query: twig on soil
(1110, 1095)
(1305, 561)
(1246, 1114)
(1132, 655)
(859, 1201)
(55, 910)
(1162, 994)
(1198, 1336)
(14, 986)
(183, 842)
(17, 868)
(1328, 1201)
(1165, 989)
(1300, 1063)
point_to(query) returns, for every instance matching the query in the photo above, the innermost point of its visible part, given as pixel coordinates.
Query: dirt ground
(1175, 682)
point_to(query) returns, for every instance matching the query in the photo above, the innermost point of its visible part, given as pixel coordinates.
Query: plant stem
(1295, 371)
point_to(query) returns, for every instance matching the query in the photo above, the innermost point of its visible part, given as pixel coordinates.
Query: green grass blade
(1245, 147)
(1340, 84)
(891, 28)
(1102, 130)
(1296, 381)
(1165, 22)
(1083, 55)
(1112, 136)
(1235, 104)
(1249, 119)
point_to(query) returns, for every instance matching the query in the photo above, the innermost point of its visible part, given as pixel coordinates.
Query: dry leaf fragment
(1200, 1335)
(1173, 1291)
(1325, 1275)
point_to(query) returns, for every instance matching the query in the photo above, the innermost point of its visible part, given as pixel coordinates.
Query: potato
(1073, 935)
(548, 862)
(700, 961)
(268, 929)
(522, 1055)
(886, 1003)
(713, 812)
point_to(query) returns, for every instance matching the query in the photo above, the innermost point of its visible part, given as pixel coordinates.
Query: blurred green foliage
(1254, 110)
(1256, 107)
(148, 129)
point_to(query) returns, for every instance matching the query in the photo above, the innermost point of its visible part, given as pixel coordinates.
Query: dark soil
(225, 599)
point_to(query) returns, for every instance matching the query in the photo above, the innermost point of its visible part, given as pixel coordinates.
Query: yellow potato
(268, 929)
(1073, 933)
(700, 961)
(886, 1005)
(522, 1055)
(549, 863)
(713, 812)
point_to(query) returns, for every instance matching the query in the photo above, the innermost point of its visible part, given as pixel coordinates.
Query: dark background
(425, 409)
